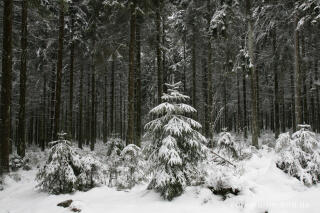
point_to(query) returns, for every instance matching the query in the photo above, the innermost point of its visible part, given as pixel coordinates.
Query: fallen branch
(222, 158)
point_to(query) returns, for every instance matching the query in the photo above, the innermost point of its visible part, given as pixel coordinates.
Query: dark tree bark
(131, 76)
(80, 128)
(72, 46)
(298, 76)
(194, 66)
(105, 107)
(59, 71)
(138, 82)
(254, 122)
(158, 50)
(112, 94)
(208, 130)
(23, 78)
(244, 93)
(239, 121)
(93, 102)
(6, 85)
(44, 124)
(276, 97)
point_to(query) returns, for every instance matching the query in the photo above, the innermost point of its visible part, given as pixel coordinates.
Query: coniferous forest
(209, 102)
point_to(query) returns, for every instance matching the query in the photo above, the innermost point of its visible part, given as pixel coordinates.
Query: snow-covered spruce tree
(66, 171)
(299, 156)
(177, 146)
(92, 173)
(131, 167)
(59, 174)
(115, 146)
(227, 146)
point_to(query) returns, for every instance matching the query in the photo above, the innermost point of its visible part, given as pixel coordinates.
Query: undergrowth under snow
(265, 188)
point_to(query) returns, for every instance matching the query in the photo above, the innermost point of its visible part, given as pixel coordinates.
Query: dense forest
(94, 69)
(215, 101)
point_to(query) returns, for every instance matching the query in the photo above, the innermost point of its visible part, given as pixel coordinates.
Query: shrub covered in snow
(114, 148)
(59, 174)
(16, 162)
(92, 173)
(227, 146)
(131, 169)
(177, 146)
(223, 180)
(66, 171)
(299, 155)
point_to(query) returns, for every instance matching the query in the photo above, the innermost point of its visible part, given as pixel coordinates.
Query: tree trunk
(112, 94)
(158, 49)
(23, 75)
(317, 127)
(131, 76)
(244, 93)
(238, 104)
(298, 76)
(93, 102)
(276, 87)
(208, 132)
(6, 86)
(72, 46)
(80, 134)
(194, 66)
(138, 82)
(59, 71)
(44, 126)
(255, 126)
(105, 108)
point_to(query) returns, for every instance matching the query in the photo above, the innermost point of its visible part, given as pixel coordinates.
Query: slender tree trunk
(80, 134)
(44, 124)
(93, 102)
(112, 94)
(194, 66)
(276, 87)
(238, 104)
(184, 64)
(158, 50)
(105, 108)
(209, 101)
(72, 46)
(6, 86)
(23, 76)
(244, 93)
(292, 89)
(164, 69)
(317, 127)
(59, 71)
(138, 82)
(298, 76)
(131, 76)
(255, 126)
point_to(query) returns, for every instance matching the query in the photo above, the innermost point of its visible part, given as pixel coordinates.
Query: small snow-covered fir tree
(66, 171)
(299, 156)
(115, 146)
(227, 146)
(59, 174)
(131, 169)
(177, 145)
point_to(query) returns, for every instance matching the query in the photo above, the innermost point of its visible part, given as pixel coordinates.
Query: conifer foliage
(177, 145)
(299, 155)
(66, 170)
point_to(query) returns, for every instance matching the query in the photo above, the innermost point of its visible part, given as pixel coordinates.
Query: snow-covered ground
(268, 190)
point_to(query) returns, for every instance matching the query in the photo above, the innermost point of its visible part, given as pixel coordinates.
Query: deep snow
(267, 189)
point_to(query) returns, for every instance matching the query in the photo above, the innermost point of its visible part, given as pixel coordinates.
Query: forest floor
(268, 190)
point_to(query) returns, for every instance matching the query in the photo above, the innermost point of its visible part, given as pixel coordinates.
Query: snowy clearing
(269, 190)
